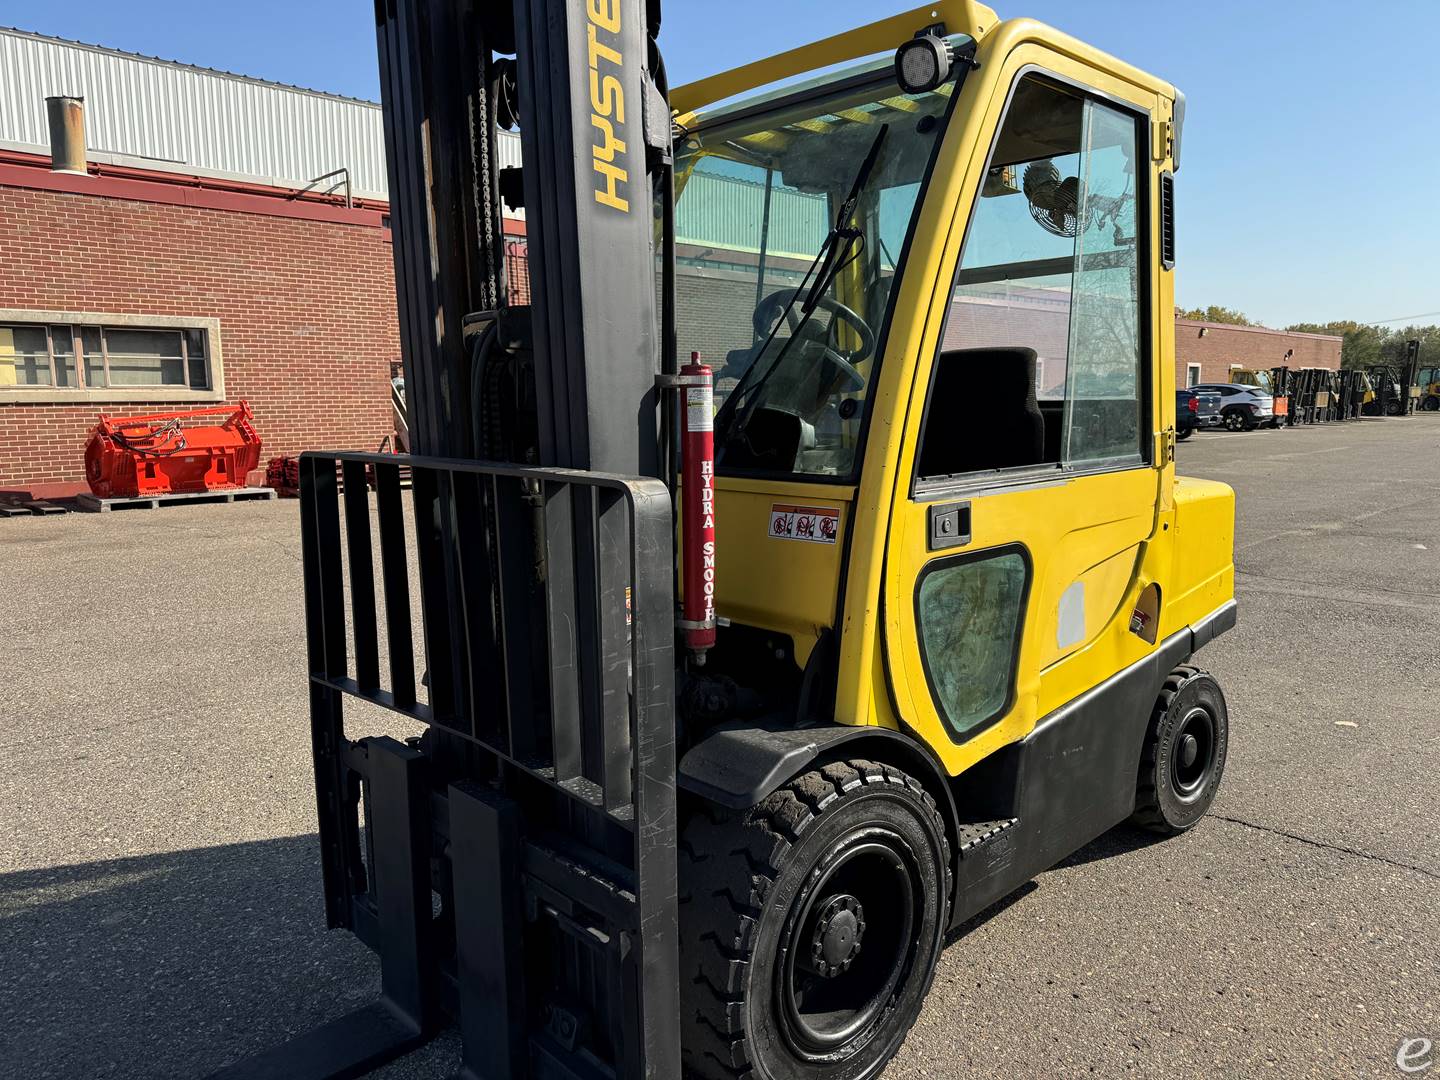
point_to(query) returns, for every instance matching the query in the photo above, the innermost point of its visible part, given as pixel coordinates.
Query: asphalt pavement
(160, 912)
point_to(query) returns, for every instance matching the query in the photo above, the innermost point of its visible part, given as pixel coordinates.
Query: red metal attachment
(697, 511)
(283, 474)
(159, 454)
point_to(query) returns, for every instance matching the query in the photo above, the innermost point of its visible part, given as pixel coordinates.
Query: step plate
(972, 835)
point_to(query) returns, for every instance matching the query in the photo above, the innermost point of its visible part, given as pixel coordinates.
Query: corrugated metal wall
(726, 212)
(184, 116)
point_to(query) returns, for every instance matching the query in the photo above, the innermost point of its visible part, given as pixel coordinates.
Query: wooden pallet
(96, 505)
(30, 507)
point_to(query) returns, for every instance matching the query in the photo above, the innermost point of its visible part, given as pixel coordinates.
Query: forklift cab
(980, 399)
(946, 491)
(1429, 383)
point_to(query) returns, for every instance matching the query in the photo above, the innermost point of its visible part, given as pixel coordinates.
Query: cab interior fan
(1054, 203)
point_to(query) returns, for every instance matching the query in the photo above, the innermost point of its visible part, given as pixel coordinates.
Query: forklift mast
(516, 869)
(585, 87)
(588, 197)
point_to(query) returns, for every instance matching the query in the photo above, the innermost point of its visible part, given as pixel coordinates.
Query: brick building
(187, 259)
(1207, 352)
(125, 296)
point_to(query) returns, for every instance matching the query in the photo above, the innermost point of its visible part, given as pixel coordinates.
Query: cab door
(1029, 474)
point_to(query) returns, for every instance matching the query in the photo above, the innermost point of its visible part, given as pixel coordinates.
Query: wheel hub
(1189, 751)
(832, 994)
(1193, 753)
(835, 941)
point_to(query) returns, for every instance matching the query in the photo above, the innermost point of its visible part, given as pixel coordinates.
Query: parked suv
(1242, 408)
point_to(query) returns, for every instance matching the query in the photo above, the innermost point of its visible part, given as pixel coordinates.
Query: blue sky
(1312, 146)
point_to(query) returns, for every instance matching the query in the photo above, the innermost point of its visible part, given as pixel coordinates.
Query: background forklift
(1397, 386)
(1275, 382)
(937, 639)
(1429, 383)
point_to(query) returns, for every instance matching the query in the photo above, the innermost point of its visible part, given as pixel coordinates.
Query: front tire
(810, 926)
(1239, 420)
(1183, 759)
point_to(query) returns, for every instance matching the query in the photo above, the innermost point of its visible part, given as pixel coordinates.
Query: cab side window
(970, 610)
(1041, 359)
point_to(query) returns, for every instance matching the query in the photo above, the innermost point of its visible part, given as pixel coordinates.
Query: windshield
(1258, 380)
(783, 298)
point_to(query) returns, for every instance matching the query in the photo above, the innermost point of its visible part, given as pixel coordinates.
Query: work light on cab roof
(923, 63)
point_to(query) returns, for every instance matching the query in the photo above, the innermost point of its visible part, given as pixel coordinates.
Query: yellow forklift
(1429, 383)
(740, 693)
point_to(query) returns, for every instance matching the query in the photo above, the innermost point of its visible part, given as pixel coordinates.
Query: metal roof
(177, 117)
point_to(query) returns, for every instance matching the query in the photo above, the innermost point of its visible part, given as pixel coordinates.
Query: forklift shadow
(982, 917)
(173, 965)
(1120, 840)
(170, 965)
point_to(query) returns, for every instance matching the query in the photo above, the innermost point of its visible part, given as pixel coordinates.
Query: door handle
(949, 525)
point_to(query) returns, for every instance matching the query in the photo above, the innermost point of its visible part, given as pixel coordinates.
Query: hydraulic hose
(167, 432)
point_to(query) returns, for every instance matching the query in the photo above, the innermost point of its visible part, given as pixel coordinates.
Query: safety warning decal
(813, 524)
(699, 409)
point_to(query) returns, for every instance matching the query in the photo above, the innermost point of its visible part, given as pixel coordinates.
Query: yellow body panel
(785, 585)
(1069, 536)
(1102, 537)
(1202, 572)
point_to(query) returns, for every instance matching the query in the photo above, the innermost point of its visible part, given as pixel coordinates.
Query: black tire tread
(727, 865)
(1147, 801)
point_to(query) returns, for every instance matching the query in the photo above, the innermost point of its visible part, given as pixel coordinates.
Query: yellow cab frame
(1136, 561)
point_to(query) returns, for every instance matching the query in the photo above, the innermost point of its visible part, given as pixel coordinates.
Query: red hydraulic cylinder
(697, 509)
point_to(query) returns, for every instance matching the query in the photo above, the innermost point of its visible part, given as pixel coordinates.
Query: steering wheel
(771, 308)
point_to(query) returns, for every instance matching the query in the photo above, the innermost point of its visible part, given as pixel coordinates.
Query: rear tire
(1431, 403)
(1184, 433)
(810, 925)
(1183, 759)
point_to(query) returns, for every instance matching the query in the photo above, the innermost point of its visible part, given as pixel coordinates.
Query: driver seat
(982, 414)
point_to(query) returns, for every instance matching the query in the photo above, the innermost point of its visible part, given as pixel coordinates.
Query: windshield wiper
(834, 255)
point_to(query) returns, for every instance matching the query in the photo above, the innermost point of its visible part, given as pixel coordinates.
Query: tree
(1217, 314)
(1364, 345)
(1397, 341)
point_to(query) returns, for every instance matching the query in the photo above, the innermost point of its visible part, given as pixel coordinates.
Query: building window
(25, 358)
(1192, 375)
(61, 356)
